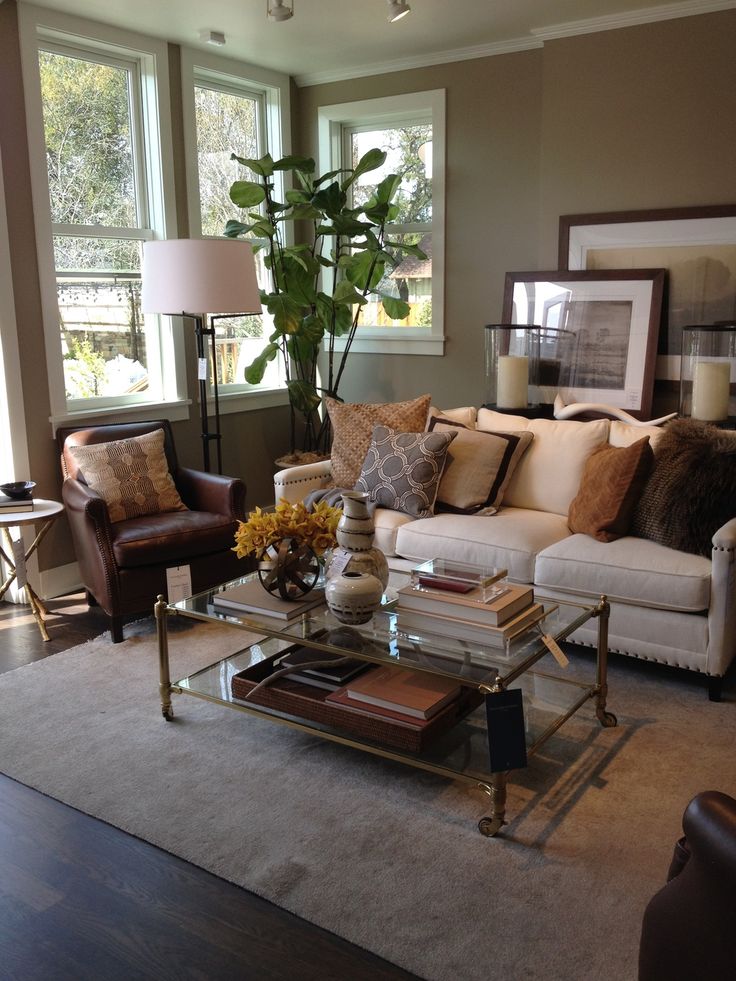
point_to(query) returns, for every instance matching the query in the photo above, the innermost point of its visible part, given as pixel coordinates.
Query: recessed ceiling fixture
(396, 10)
(278, 10)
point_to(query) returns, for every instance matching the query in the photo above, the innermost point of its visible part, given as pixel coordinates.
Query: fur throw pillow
(692, 490)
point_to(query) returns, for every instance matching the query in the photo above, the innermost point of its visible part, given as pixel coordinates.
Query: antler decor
(562, 411)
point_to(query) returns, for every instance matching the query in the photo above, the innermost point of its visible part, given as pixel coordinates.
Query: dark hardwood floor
(82, 900)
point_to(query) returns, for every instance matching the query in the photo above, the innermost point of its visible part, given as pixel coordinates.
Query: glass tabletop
(386, 639)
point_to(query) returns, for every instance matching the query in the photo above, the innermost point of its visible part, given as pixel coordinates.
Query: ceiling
(327, 40)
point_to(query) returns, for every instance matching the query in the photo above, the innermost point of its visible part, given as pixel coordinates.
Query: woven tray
(307, 702)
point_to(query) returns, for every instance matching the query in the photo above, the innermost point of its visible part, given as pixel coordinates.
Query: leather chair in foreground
(689, 933)
(123, 563)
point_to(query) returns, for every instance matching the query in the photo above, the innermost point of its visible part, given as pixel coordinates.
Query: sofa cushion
(692, 490)
(352, 428)
(548, 477)
(611, 486)
(624, 434)
(510, 539)
(131, 475)
(629, 570)
(465, 415)
(171, 538)
(387, 524)
(402, 471)
(479, 467)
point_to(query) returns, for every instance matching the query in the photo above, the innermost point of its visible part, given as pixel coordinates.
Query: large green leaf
(262, 166)
(303, 395)
(298, 278)
(408, 249)
(235, 228)
(298, 197)
(345, 292)
(371, 160)
(257, 368)
(346, 225)
(247, 194)
(286, 312)
(330, 175)
(304, 165)
(395, 309)
(360, 266)
(303, 212)
(331, 200)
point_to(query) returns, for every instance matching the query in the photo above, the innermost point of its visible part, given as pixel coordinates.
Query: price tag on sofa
(555, 650)
(506, 730)
(178, 583)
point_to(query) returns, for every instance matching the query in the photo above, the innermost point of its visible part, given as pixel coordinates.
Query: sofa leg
(715, 686)
(116, 629)
(91, 601)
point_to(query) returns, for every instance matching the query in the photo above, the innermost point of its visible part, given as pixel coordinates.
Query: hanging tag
(201, 369)
(19, 559)
(555, 650)
(338, 563)
(506, 730)
(178, 583)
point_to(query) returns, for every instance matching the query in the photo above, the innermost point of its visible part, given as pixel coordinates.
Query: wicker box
(308, 702)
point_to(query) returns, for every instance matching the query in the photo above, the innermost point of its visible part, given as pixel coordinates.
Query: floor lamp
(209, 276)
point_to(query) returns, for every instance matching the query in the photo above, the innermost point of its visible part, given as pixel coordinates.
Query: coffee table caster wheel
(490, 826)
(608, 720)
(168, 714)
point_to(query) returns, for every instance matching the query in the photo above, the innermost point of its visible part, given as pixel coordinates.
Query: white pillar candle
(711, 390)
(513, 382)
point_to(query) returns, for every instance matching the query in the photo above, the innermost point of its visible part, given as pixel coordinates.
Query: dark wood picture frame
(642, 289)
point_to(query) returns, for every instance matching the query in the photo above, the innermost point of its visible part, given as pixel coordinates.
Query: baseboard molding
(59, 580)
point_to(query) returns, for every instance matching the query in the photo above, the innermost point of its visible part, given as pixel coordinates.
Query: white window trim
(392, 110)
(36, 26)
(274, 87)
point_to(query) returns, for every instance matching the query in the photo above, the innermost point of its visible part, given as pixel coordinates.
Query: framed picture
(697, 246)
(599, 332)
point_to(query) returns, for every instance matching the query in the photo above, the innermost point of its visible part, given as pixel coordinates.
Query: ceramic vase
(355, 550)
(353, 597)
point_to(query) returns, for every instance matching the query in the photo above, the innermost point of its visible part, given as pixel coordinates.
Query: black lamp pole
(201, 331)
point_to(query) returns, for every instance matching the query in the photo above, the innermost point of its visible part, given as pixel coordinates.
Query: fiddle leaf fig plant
(320, 284)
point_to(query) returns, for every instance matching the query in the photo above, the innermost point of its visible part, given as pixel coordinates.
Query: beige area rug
(384, 855)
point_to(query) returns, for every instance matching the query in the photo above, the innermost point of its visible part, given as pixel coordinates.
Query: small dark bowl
(20, 490)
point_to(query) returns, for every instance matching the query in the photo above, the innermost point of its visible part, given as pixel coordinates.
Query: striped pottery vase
(355, 550)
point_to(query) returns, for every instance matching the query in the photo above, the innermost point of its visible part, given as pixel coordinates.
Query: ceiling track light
(396, 10)
(278, 10)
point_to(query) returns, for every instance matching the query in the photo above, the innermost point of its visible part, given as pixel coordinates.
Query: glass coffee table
(509, 705)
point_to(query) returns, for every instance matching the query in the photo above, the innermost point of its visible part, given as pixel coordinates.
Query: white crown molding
(420, 61)
(632, 18)
(646, 15)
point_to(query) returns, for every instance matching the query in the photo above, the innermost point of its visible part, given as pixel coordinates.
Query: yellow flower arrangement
(265, 528)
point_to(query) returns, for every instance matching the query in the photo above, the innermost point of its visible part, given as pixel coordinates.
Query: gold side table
(44, 513)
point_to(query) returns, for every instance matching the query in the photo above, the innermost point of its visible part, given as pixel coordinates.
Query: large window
(101, 166)
(230, 113)
(411, 131)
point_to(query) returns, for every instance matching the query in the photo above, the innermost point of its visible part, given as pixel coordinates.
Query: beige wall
(643, 117)
(636, 118)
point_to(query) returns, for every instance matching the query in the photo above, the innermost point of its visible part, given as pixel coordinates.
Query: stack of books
(329, 676)
(398, 693)
(489, 614)
(251, 597)
(14, 505)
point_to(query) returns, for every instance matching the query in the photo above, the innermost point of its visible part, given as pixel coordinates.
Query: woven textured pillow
(131, 475)
(402, 471)
(610, 489)
(352, 428)
(692, 490)
(479, 467)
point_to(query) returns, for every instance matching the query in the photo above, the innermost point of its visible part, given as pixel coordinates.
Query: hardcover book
(10, 504)
(509, 601)
(464, 630)
(251, 597)
(331, 676)
(401, 690)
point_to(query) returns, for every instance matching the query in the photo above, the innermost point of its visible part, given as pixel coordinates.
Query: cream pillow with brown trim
(352, 429)
(131, 475)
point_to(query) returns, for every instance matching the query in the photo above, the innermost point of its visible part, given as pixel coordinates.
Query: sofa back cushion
(549, 474)
(624, 434)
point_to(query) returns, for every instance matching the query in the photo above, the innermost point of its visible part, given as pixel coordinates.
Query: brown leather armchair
(688, 928)
(123, 563)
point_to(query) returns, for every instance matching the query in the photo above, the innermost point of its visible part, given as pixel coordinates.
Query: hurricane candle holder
(707, 373)
(512, 366)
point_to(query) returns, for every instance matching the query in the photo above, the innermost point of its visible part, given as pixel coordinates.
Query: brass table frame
(496, 786)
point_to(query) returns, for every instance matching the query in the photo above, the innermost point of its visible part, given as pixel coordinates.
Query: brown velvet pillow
(131, 475)
(352, 428)
(401, 471)
(610, 488)
(479, 467)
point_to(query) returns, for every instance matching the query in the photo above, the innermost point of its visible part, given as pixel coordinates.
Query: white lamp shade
(199, 276)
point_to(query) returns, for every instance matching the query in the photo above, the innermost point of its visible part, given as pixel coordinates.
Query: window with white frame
(230, 113)
(100, 139)
(410, 128)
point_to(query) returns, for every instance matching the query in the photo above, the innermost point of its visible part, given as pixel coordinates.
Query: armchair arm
(709, 824)
(211, 492)
(89, 522)
(722, 610)
(295, 483)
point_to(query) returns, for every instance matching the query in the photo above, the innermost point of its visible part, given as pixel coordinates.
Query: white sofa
(667, 606)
